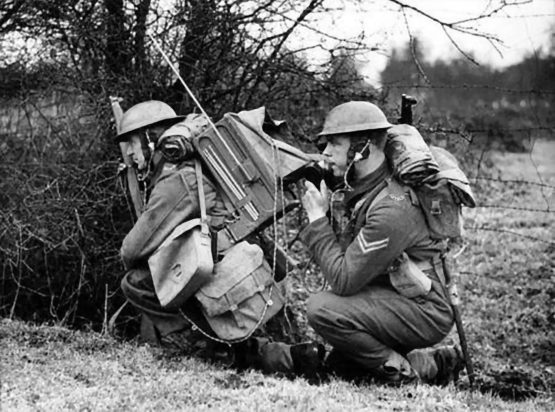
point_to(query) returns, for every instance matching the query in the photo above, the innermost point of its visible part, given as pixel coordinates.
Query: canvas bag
(435, 177)
(183, 262)
(242, 295)
(442, 196)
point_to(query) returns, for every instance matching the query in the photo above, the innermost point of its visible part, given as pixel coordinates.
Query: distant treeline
(507, 106)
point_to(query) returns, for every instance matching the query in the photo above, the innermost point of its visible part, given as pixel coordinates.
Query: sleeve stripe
(366, 246)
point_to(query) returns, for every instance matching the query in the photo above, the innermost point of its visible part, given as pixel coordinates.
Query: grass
(508, 280)
(50, 368)
(508, 290)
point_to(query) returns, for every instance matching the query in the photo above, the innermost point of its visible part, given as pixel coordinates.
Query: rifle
(455, 303)
(134, 191)
(406, 108)
(450, 278)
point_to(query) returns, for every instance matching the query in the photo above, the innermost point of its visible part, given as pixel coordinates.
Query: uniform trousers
(378, 324)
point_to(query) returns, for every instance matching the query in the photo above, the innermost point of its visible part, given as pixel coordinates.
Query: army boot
(395, 371)
(438, 366)
(181, 341)
(308, 361)
(303, 359)
(339, 365)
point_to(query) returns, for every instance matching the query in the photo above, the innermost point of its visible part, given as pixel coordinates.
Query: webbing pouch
(242, 294)
(442, 213)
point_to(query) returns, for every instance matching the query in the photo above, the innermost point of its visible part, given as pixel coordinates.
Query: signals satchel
(183, 262)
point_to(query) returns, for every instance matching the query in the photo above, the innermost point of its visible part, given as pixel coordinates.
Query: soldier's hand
(315, 201)
(197, 123)
(122, 167)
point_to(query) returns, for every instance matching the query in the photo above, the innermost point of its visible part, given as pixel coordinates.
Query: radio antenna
(189, 91)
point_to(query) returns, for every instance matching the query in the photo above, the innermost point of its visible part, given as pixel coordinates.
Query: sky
(521, 29)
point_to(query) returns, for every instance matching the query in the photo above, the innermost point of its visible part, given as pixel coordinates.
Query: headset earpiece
(359, 155)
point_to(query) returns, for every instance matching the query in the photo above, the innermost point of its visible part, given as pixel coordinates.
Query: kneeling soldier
(372, 327)
(159, 144)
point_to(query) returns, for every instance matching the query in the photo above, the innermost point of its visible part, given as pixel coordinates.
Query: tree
(63, 216)
(59, 246)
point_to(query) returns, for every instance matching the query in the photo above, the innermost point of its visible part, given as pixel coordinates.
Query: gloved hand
(196, 123)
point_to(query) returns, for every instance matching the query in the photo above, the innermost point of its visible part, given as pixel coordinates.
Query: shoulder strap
(201, 199)
(381, 194)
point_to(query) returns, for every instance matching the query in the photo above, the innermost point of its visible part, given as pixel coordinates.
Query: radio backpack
(434, 175)
(250, 164)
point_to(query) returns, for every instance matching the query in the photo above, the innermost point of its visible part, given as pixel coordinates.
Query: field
(508, 290)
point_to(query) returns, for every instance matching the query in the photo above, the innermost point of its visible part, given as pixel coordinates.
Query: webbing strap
(201, 199)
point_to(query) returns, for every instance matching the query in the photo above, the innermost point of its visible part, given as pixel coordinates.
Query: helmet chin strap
(149, 143)
(143, 175)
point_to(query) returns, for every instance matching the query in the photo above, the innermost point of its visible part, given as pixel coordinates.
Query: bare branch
(315, 30)
(306, 11)
(412, 49)
(457, 25)
(454, 43)
(504, 4)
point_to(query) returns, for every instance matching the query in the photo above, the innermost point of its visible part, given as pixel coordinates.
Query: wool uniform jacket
(354, 258)
(173, 200)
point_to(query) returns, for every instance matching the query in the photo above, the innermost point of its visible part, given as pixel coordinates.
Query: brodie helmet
(144, 114)
(351, 118)
(354, 116)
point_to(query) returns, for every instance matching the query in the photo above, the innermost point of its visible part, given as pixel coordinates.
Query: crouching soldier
(159, 144)
(372, 327)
